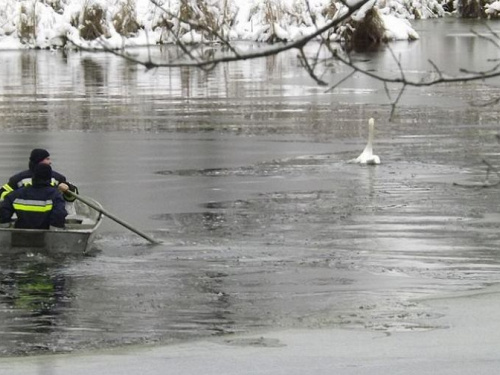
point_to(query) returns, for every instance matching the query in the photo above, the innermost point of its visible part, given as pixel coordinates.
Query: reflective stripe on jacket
(6, 189)
(32, 205)
(26, 181)
(36, 207)
(23, 179)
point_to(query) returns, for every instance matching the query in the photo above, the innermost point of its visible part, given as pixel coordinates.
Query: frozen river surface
(242, 173)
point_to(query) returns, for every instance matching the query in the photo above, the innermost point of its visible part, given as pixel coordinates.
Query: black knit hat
(37, 155)
(42, 173)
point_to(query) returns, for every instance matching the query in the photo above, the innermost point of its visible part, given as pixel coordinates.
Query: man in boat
(37, 206)
(22, 179)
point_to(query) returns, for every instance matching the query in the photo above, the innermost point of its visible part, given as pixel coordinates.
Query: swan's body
(367, 156)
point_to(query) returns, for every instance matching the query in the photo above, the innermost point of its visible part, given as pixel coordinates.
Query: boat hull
(76, 238)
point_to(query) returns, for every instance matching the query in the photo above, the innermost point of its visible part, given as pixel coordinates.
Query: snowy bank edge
(54, 28)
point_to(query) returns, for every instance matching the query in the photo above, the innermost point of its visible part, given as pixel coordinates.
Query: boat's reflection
(33, 293)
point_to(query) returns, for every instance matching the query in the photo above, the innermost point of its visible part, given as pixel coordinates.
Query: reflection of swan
(367, 156)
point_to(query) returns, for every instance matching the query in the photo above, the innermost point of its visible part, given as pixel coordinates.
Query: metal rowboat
(76, 238)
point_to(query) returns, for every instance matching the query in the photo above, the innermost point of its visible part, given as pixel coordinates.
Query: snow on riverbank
(50, 23)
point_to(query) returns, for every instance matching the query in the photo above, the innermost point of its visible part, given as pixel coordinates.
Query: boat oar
(112, 217)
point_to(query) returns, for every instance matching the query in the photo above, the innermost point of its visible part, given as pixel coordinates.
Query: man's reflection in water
(32, 296)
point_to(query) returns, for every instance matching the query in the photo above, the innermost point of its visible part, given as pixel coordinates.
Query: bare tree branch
(198, 25)
(486, 183)
(192, 54)
(310, 69)
(273, 50)
(488, 38)
(421, 83)
(436, 68)
(395, 102)
(333, 87)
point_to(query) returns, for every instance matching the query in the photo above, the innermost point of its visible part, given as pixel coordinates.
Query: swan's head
(371, 123)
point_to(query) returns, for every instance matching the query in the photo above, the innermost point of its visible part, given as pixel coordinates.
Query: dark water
(242, 172)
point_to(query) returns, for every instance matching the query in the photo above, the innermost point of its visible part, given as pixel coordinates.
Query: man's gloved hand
(63, 188)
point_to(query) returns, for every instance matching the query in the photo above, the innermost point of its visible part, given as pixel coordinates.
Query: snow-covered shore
(51, 23)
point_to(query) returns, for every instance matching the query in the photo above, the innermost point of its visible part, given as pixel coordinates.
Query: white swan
(367, 156)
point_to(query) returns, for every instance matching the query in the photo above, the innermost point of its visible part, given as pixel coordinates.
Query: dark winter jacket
(37, 207)
(24, 178)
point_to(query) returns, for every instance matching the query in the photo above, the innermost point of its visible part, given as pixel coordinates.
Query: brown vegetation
(125, 20)
(471, 8)
(27, 24)
(186, 12)
(92, 25)
(210, 22)
(366, 34)
(330, 11)
(194, 16)
(271, 18)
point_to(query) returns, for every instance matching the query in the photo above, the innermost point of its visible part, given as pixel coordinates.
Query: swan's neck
(371, 131)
